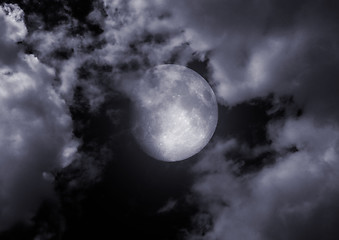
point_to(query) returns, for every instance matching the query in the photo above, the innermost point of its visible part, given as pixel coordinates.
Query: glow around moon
(174, 113)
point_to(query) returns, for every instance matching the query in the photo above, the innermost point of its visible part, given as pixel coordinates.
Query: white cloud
(35, 128)
(299, 189)
(254, 52)
(14, 29)
(135, 23)
(128, 24)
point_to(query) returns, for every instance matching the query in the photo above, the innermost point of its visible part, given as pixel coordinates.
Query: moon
(174, 114)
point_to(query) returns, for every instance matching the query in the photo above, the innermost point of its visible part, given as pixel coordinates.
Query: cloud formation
(35, 126)
(295, 198)
(265, 47)
(261, 48)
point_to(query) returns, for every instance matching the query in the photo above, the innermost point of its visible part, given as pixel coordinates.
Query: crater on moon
(175, 112)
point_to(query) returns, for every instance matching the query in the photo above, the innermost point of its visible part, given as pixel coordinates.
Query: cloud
(12, 30)
(140, 36)
(264, 47)
(169, 206)
(137, 35)
(287, 200)
(35, 126)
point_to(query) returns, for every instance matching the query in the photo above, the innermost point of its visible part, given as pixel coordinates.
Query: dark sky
(71, 169)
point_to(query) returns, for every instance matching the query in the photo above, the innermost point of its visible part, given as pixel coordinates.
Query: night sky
(70, 167)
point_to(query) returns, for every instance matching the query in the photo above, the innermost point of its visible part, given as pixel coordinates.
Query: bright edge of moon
(175, 112)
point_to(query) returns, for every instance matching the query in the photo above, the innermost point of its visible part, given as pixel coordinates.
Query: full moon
(175, 112)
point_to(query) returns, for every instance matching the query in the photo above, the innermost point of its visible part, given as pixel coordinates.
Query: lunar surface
(174, 112)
